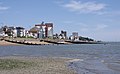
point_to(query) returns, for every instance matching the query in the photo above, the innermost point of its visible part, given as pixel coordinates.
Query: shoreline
(5, 43)
(29, 41)
(16, 43)
(45, 65)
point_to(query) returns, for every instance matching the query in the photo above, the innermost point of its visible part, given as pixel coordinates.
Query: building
(2, 33)
(41, 33)
(56, 36)
(45, 30)
(33, 32)
(63, 35)
(20, 32)
(12, 32)
(49, 30)
(5, 28)
(9, 31)
(74, 36)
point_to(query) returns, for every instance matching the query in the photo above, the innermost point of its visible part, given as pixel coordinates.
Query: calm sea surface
(95, 58)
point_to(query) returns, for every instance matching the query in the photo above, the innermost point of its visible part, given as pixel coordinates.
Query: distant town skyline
(98, 19)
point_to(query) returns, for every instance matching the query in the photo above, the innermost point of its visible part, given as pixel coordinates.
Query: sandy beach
(5, 43)
(26, 40)
(40, 65)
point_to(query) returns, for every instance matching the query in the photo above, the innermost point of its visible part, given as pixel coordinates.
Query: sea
(94, 58)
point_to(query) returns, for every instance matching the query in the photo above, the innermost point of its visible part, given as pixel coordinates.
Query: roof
(20, 28)
(34, 30)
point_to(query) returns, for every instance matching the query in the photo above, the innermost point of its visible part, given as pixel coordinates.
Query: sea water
(94, 58)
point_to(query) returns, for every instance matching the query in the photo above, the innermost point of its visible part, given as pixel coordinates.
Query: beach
(61, 59)
(38, 65)
(5, 43)
(23, 41)
(35, 65)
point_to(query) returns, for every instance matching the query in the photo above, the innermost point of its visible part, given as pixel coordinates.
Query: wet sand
(5, 43)
(44, 65)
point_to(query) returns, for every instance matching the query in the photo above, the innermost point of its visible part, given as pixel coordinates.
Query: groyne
(25, 41)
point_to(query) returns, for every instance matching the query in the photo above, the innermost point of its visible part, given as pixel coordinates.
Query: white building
(47, 29)
(20, 32)
(12, 31)
(74, 36)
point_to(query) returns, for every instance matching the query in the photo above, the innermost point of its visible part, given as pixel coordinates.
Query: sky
(97, 19)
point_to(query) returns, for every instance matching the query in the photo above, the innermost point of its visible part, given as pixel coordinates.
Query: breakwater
(26, 41)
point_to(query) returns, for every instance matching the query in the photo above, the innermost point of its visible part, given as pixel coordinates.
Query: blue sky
(98, 19)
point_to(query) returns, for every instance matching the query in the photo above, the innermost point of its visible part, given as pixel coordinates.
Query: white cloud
(3, 7)
(85, 7)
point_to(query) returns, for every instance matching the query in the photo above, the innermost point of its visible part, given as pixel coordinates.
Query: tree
(85, 39)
